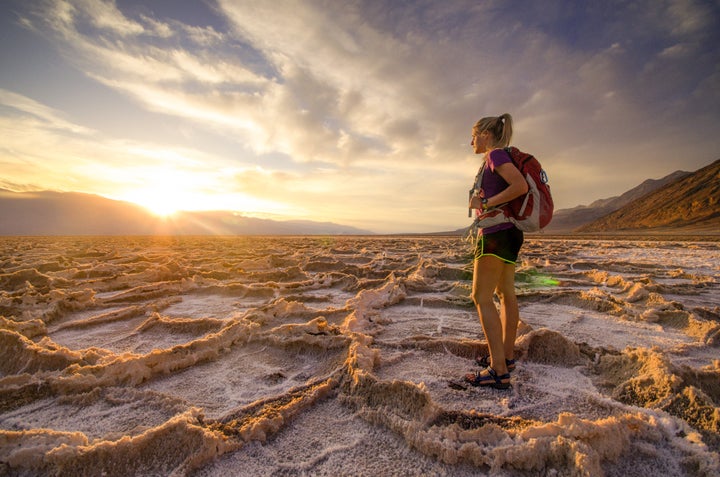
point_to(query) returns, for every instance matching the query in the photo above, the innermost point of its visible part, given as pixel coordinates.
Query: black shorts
(503, 244)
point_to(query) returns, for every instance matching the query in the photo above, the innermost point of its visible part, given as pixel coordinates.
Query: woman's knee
(486, 277)
(479, 297)
(475, 298)
(505, 294)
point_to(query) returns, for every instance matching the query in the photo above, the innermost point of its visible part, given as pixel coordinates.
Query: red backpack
(529, 212)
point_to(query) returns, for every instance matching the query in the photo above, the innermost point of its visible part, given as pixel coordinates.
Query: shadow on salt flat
(601, 329)
(118, 336)
(212, 306)
(125, 337)
(401, 321)
(539, 391)
(246, 374)
(433, 371)
(128, 335)
(108, 414)
(323, 298)
(708, 299)
(157, 339)
(329, 439)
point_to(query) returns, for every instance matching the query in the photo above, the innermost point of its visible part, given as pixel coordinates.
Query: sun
(162, 201)
(162, 208)
(165, 192)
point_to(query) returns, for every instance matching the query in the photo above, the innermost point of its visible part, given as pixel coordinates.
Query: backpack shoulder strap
(477, 185)
(479, 176)
(518, 157)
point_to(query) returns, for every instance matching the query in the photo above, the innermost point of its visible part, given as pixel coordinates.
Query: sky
(353, 112)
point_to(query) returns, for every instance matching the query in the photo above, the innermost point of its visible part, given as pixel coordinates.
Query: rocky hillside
(691, 203)
(567, 220)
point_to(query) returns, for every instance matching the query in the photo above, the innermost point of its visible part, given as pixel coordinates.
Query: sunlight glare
(167, 191)
(167, 201)
(160, 201)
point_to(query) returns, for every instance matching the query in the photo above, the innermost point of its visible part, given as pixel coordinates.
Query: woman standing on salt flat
(496, 252)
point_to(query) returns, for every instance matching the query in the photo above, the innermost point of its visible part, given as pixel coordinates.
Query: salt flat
(340, 356)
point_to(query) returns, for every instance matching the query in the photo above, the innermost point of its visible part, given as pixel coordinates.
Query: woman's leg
(487, 273)
(509, 311)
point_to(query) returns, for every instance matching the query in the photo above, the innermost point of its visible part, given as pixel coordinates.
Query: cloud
(373, 101)
(349, 84)
(203, 36)
(103, 15)
(42, 145)
(44, 116)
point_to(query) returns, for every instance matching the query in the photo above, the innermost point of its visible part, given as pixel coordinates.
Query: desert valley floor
(214, 356)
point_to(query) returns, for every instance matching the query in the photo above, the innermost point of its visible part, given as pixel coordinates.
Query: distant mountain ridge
(74, 213)
(688, 203)
(567, 220)
(681, 201)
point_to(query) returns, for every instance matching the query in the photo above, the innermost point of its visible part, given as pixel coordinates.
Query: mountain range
(568, 220)
(686, 202)
(689, 203)
(73, 213)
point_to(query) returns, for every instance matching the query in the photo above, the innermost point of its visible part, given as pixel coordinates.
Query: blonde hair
(500, 127)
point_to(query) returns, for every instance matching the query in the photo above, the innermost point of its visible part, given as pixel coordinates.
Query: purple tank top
(493, 183)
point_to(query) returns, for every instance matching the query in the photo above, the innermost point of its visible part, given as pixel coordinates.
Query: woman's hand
(476, 200)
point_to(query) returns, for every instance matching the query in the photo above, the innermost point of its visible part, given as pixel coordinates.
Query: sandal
(490, 379)
(484, 361)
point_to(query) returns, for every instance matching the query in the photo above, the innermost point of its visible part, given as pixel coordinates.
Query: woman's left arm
(517, 185)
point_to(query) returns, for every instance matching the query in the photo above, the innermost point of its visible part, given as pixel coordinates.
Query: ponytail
(507, 130)
(500, 127)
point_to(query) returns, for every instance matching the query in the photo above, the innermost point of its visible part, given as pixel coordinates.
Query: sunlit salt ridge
(341, 356)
